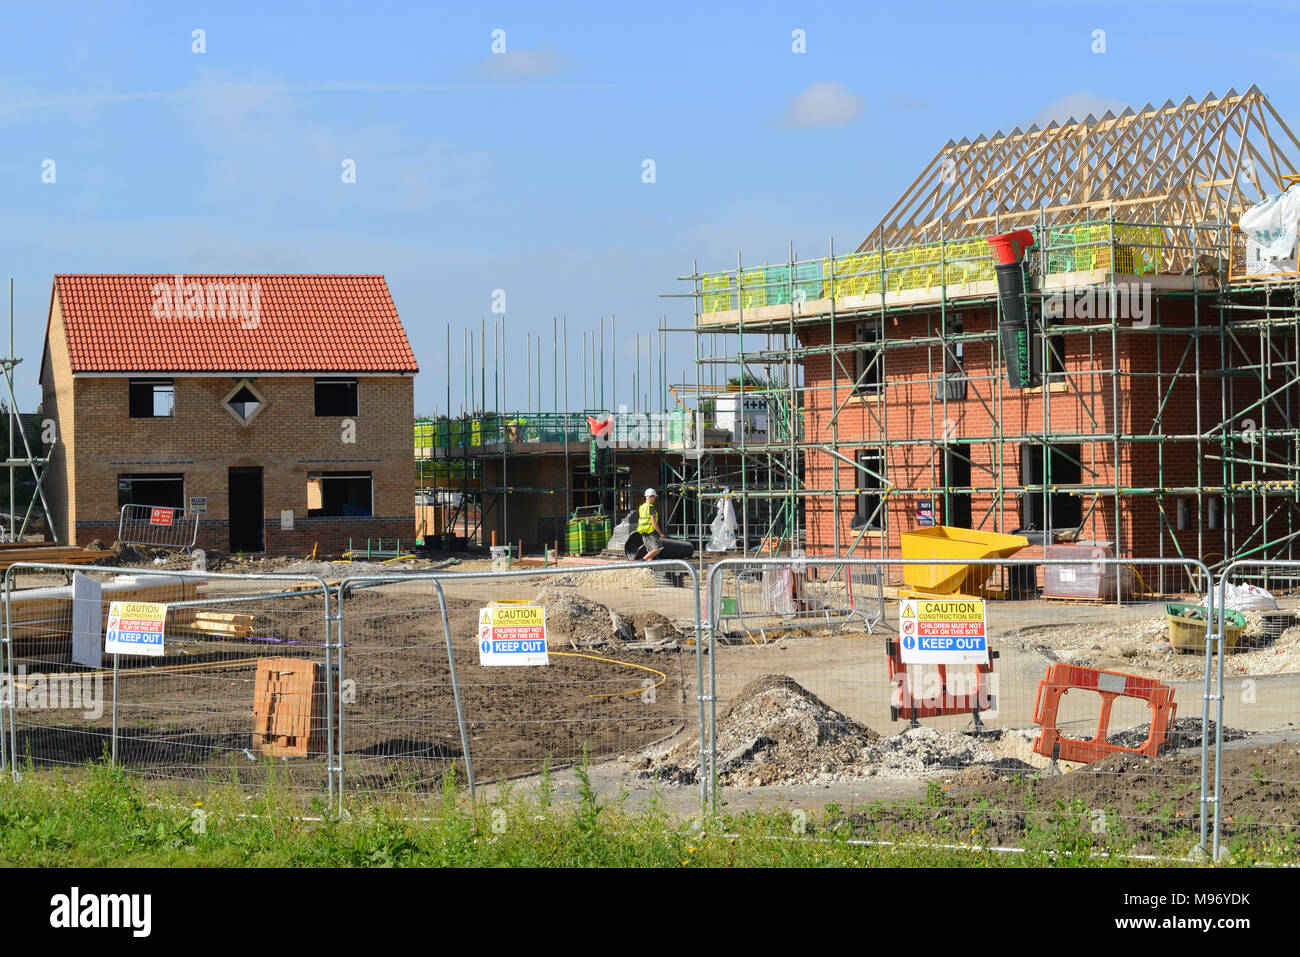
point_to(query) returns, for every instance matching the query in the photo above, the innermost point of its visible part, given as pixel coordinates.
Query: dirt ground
(611, 700)
(1154, 803)
(1142, 647)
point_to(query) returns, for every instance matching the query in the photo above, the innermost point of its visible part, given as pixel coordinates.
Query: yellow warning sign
(950, 609)
(518, 617)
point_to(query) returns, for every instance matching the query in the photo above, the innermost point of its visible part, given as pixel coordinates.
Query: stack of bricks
(289, 708)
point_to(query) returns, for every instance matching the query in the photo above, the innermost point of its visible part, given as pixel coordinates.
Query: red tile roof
(137, 323)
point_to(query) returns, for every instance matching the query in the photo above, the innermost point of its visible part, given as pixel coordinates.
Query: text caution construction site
(943, 631)
(512, 635)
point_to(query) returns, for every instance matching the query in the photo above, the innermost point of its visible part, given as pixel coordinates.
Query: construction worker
(648, 525)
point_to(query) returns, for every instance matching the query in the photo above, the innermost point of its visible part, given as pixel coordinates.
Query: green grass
(99, 816)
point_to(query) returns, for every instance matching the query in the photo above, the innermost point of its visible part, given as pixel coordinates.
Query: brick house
(949, 437)
(280, 404)
(1160, 414)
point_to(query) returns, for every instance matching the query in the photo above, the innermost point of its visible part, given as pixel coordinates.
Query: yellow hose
(614, 694)
(1146, 589)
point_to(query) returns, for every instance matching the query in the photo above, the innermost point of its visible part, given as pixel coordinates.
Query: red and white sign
(162, 516)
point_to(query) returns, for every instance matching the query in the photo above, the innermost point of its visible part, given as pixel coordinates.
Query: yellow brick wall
(99, 441)
(56, 404)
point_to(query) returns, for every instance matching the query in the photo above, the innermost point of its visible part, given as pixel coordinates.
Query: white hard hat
(650, 493)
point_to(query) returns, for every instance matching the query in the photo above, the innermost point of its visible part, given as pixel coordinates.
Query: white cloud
(823, 104)
(524, 64)
(1078, 105)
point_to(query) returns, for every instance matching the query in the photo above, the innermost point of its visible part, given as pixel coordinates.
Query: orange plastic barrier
(1060, 678)
(904, 704)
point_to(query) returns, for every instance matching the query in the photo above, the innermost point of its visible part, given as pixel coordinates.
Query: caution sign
(943, 631)
(161, 516)
(512, 635)
(135, 628)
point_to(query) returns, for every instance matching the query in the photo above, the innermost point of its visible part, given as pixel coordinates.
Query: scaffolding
(1176, 431)
(33, 459)
(471, 462)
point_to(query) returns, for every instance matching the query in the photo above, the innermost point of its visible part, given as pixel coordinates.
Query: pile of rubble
(1183, 733)
(579, 623)
(777, 732)
(609, 578)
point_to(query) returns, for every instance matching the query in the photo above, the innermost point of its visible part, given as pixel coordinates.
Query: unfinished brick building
(280, 407)
(1153, 401)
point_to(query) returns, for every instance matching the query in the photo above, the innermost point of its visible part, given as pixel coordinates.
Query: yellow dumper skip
(943, 541)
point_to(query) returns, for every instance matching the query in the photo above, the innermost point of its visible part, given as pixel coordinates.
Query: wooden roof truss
(1184, 164)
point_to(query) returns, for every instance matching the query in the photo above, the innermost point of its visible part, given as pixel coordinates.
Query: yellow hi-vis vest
(646, 518)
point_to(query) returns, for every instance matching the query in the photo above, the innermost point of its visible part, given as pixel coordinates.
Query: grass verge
(99, 816)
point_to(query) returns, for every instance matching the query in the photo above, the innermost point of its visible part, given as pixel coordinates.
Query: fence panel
(622, 674)
(1255, 757)
(401, 727)
(824, 717)
(158, 527)
(766, 601)
(241, 692)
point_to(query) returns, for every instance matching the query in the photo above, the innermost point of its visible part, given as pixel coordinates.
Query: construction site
(1051, 400)
(841, 400)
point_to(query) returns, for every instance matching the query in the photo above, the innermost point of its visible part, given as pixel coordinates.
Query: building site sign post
(134, 628)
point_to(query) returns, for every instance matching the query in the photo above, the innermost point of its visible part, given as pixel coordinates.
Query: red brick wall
(1094, 402)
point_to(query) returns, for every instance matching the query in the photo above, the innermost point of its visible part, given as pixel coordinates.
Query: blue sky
(522, 171)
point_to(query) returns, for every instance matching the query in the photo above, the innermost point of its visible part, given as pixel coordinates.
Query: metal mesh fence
(1053, 733)
(1255, 761)
(1117, 721)
(158, 527)
(765, 601)
(620, 677)
(401, 728)
(240, 692)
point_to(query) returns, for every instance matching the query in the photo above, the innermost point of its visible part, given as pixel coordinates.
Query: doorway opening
(247, 529)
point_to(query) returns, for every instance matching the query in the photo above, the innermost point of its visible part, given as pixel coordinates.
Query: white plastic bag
(779, 591)
(723, 527)
(1246, 598)
(1271, 231)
